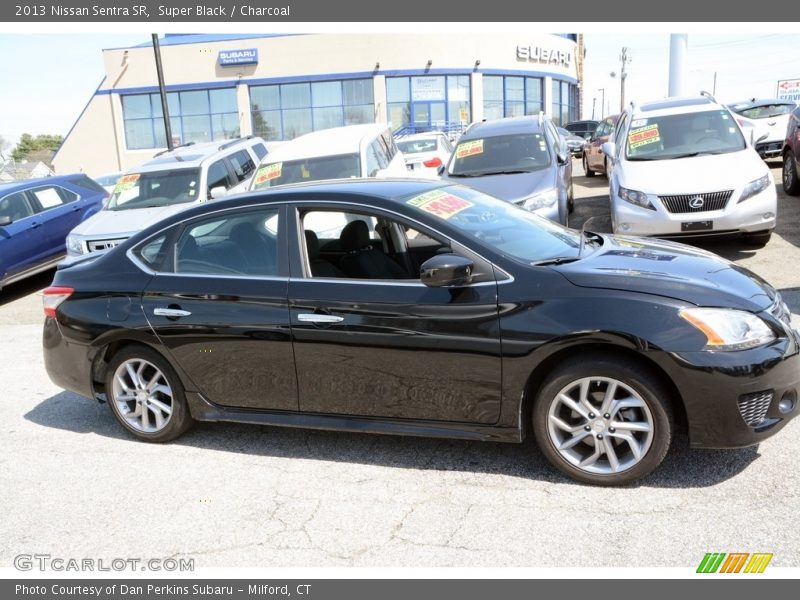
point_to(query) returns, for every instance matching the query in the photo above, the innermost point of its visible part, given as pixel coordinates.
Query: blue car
(35, 217)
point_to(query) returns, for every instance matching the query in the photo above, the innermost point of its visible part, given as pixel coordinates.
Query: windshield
(341, 166)
(520, 152)
(765, 111)
(509, 229)
(677, 136)
(159, 188)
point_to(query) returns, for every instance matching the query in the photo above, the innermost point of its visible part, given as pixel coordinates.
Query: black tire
(638, 379)
(179, 419)
(791, 184)
(586, 169)
(758, 240)
(605, 167)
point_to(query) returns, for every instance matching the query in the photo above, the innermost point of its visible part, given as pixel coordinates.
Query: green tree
(39, 145)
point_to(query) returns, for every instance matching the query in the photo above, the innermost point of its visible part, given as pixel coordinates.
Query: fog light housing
(768, 215)
(787, 403)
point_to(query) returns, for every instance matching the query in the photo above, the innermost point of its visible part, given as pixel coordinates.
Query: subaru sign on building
(248, 56)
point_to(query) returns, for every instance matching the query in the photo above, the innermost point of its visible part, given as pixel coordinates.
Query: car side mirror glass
(5, 220)
(447, 270)
(440, 170)
(217, 192)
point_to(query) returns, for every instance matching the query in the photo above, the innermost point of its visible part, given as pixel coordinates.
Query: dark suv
(791, 155)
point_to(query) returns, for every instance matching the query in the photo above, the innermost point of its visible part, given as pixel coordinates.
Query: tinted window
(15, 206)
(218, 176)
(152, 253)
(237, 244)
(414, 146)
(521, 152)
(243, 165)
(68, 196)
(341, 166)
(260, 150)
(90, 184)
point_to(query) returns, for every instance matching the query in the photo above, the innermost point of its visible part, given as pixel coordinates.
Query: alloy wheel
(142, 395)
(600, 425)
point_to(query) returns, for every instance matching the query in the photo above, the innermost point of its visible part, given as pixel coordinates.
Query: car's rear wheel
(146, 396)
(586, 169)
(791, 185)
(603, 421)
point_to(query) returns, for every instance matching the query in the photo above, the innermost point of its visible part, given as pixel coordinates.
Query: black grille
(683, 202)
(754, 407)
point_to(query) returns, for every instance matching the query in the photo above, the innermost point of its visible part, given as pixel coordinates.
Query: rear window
(415, 146)
(342, 166)
(86, 183)
(765, 111)
(260, 150)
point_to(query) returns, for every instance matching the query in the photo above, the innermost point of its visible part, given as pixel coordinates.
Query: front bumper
(716, 386)
(770, 149)
(755, 214)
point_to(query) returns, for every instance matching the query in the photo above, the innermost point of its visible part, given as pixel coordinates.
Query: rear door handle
(35, 225)
(170, 312)
(319, 318)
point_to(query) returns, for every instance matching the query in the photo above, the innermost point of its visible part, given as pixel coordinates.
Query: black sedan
(424, 308)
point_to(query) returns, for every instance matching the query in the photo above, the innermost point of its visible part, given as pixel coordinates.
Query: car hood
(695, 174)
(512, 187)
(126, 222)
(672, 270)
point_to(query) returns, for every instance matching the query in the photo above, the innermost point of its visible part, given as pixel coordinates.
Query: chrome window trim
(142, 266)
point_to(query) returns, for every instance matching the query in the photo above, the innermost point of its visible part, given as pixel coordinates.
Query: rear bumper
(68, 364)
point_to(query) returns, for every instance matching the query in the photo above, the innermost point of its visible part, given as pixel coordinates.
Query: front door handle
(170, 312)
(319, 318)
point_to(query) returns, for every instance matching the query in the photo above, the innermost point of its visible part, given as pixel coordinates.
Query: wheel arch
(608, 350)
(106, 353)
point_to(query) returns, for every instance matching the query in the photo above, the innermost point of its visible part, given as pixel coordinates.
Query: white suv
(168, 183)
(681, 167)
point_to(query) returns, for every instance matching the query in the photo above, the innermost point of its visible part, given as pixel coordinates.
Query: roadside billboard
(789, 89)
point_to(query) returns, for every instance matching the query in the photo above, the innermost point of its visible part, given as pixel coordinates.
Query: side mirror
(217, 192)
(610, 150)
(446, 270)
(5, 220)
(440, 170)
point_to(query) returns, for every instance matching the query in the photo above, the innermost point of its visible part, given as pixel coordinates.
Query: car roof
(24, 184)
(326, 142)
(754, 102)
(506, 126)
(676, 105)
(192, 155)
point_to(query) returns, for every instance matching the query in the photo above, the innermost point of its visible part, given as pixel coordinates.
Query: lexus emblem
(697, 202)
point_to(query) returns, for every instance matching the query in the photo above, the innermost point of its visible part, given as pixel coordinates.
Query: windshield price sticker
(440, 203)
(126, 182)
(268, 173)
(644, 135)
(469, 148)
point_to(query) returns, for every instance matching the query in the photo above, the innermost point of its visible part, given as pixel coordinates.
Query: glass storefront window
(285, 111)
(425, 102)
(511, 96)
(564, 102)
(195, 116)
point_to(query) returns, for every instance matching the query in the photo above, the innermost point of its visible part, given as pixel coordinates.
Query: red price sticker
(440, 203)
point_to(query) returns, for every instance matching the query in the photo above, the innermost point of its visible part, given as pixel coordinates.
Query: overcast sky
(48, 78)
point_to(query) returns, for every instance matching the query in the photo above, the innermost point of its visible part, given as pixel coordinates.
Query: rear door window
(49, 197)
(243, 165)
(219, 176)
(15, 206)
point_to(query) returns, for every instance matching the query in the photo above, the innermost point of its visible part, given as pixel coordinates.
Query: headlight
(755, 187)
(548, 198)
(74, 245)
(637, 198)
(727, 329)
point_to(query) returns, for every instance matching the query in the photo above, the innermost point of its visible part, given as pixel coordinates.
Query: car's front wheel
(791, 185)
(603, 421)
(146, 396)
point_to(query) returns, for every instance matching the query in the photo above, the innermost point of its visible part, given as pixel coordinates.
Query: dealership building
(282, 86)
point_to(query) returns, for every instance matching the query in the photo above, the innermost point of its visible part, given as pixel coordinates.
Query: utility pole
(594, 102)
(623, 74)
(602, 102)
(162, 92)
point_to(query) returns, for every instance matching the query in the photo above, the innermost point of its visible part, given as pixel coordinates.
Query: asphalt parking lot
(73, 484)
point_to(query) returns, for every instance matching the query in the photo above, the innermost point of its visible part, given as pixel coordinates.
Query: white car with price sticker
(681, 167)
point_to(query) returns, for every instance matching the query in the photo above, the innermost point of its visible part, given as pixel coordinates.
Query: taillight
(53, 297)
(434, 162)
